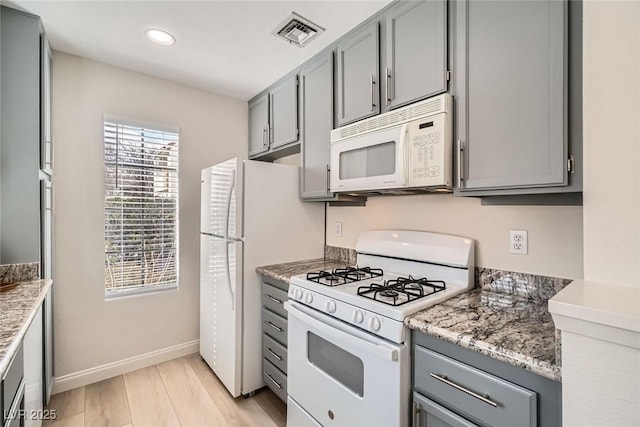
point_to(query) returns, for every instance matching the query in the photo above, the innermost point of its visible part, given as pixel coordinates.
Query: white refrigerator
(251, 215)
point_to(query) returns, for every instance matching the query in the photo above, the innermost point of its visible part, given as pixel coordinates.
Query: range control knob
(374, 324)
(358, 317)
(298, 295)
(331, 306)
(308, 298)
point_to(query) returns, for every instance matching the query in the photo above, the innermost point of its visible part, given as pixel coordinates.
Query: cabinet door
(358, 83)
(416, 52)
(33, 370)
(427, 413)
(259, 125)
(511, 94)
(317, 122)
(283, 118)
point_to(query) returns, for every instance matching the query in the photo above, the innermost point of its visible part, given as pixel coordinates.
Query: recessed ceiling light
(160, 37)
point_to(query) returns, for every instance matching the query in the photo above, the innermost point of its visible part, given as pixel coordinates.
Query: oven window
(342, 366)
(374, 160)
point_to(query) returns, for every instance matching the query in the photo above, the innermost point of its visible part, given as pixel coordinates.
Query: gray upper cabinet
(317, 121)
(511, 94)
(415, 52)
(358, 85)
(259, 125)
(283, 103)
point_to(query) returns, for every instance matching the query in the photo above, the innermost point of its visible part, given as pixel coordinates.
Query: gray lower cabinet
(12, 390)
(511, 96)
(453, 386)
(259, 125)
(358, 83)
(274, 336)
(415, 60)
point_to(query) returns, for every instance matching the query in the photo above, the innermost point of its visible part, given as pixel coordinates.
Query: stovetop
(401, 290)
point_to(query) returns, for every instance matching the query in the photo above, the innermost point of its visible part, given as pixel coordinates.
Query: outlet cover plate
(519, 242)
(338, 228)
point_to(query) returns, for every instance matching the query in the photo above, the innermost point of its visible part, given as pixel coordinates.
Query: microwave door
(372, 161)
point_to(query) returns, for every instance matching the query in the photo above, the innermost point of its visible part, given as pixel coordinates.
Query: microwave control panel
(430, 151)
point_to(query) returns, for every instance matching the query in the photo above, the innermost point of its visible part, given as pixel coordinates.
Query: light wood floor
(182, 392)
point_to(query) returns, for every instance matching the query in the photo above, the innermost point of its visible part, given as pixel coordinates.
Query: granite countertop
(283, 272)
(510, 328)
(17, 309)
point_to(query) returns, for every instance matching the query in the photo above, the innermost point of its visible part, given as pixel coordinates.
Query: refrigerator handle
(228, 271)
(229, 195)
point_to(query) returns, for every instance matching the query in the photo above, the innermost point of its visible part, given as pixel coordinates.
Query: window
(140, 208)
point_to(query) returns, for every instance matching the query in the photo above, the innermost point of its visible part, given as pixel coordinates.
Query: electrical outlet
(338, 228)
(518, 243)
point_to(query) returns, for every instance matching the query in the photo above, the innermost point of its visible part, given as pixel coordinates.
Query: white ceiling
(222, 46)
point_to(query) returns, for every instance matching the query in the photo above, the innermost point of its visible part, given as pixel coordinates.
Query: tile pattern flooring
(181, 392)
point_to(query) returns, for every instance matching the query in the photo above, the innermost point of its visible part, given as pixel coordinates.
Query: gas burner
(401, 290)
(341, 276)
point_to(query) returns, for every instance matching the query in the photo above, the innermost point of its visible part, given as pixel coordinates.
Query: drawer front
(472, 392)
(273, 299)
(275, 380)
(274, 326)
(274, 352)
(12, 379)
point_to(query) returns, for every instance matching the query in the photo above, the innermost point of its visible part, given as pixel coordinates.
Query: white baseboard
(113, 369)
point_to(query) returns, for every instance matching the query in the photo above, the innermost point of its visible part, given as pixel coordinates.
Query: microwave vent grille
(425, 108)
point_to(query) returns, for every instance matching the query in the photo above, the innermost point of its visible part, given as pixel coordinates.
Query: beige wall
(89, 330)
(612, 142)
(555, 233)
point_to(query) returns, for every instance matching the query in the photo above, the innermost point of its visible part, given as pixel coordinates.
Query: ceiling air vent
(297, 30)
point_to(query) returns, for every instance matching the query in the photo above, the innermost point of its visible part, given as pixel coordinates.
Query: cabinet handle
(445, 380)
(387, 84)
(460, 164)
(277, 328)
(273, 381)
(273, 354)
(276, 300)
(328, 179)
(416, 414)
(373, 101)
(264, 136)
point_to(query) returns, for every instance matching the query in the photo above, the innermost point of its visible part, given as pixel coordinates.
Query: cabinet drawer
(273, 299)
(472, 392)
(274, 326)
(427, 413)
(275, 380)
(274, 352)
(12, 379)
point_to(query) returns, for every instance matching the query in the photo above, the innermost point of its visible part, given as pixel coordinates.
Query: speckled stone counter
(510, 328)
(17, 309)
(284, 272)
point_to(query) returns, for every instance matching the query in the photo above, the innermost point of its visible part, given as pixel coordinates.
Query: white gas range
(346, 327)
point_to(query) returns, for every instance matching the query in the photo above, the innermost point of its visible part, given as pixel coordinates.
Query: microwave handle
(406, 152)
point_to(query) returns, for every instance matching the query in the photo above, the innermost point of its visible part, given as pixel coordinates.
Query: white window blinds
(140, 208)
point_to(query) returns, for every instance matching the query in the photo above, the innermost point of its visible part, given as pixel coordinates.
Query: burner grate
(402, 290)
(342, 276)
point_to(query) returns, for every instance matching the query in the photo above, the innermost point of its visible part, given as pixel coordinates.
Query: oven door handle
(333, 330)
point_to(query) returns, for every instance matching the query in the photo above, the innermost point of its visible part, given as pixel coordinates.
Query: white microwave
(404, 150)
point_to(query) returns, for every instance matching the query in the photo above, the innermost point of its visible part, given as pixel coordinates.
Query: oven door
(343, 376)
(373, 161)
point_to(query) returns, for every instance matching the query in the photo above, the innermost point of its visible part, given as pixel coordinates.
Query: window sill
(117, 294)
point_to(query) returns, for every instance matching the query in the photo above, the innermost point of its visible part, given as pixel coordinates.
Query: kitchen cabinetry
(33, 346)
(12, 391)
(273, 120)
(358, 91)
(454, 386)
(408, 65)
(512, 97)
(415, 44)
(274, 337)
(26, 152)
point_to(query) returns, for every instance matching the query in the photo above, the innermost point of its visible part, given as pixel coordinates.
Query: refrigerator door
(221, 309)
(221, 199)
